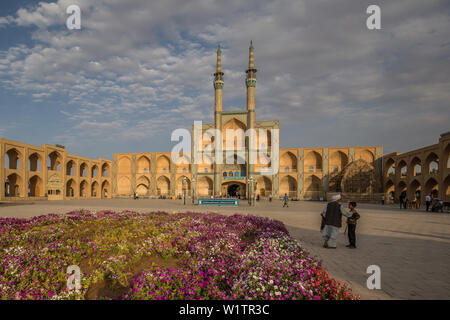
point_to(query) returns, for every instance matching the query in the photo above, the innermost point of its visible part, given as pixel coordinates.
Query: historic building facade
(419, 172)
(48, 172)
(303, 173)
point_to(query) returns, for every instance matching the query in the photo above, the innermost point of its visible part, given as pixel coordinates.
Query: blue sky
(139, 69)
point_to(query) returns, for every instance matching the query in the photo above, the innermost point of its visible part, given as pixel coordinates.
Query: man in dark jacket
(332, 215)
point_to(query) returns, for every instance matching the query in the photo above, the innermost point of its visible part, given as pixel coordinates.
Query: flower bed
(131, 255)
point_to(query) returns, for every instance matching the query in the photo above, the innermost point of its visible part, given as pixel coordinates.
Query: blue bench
(218, 202)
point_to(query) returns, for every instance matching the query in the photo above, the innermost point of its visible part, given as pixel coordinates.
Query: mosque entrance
(233, 190)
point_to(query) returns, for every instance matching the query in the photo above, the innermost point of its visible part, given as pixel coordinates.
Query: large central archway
(234, 189)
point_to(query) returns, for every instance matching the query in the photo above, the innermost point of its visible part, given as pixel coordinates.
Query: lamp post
(250, 190)
(184, 190)
(193, 190)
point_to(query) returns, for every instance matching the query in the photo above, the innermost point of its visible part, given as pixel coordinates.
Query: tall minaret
(218, 82)
(218, 86)
(250, 81)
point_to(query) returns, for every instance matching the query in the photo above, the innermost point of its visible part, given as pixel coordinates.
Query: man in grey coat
(332, 215)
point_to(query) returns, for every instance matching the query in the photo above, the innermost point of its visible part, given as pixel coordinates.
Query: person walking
(332, 215)
(285, 200)
(428, 201)
(351, 225)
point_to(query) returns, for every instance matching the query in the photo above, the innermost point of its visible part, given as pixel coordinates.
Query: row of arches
(415, 167)
(417, 189)
(14, 160)
(87, 190)
(313, 162)
(163, 186)
(14, 187)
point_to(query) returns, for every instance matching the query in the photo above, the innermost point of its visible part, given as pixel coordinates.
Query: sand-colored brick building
(359, 173)
(303, 173)
(49, 172)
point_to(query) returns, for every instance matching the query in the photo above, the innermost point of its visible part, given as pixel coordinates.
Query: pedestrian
(428, 201)
(270, 197)
(285, 200)
(401, 198)
(332, 215)
(382, 199)
(351, 225)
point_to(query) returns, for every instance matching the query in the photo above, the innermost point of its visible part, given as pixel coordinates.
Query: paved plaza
(412, 248)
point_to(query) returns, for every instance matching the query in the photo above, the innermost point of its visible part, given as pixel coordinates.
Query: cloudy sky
(139, 69)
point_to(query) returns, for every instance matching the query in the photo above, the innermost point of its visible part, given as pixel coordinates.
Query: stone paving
(412, 248)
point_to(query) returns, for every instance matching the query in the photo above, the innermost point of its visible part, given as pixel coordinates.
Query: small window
(225, 174)
(184, 170)
(286, 169)
(165, 170)
(236, 174)
(145, 170)
(311, 169)
(206, 169)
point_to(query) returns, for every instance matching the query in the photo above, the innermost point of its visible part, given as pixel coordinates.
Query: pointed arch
(84, 189)
(83, 169)
(288, 162)
(179, 185)
(288, 185)
(432, 187)
(105, 170)
(204, 186)
(54, 161)
(124, 165)
(264, 186)
(13, 159)
(13, 185)
(34, 162)
(71, 188)
(105, 189)
(94, 171)
(432, 163)
(95, 190)
(143, 165)
(163, 186)
(124, 186)
(70, 168)
(163, 164)
(338, 161)
(313, 162)
(35, 187)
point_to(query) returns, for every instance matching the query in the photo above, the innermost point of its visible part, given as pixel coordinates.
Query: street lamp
(193, 190)
(184, 190)
(250, 187)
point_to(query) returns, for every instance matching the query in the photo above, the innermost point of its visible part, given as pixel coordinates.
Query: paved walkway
(412, 248)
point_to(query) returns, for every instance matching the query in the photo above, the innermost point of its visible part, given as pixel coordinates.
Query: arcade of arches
(49, 172)
(419, 173)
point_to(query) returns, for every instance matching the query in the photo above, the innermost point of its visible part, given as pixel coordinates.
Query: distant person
(285, 200)
(270, 197)
(401, 199)
(428, 201)
(382, 199)
(351, 225)
(135, 196)
(332, 215)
